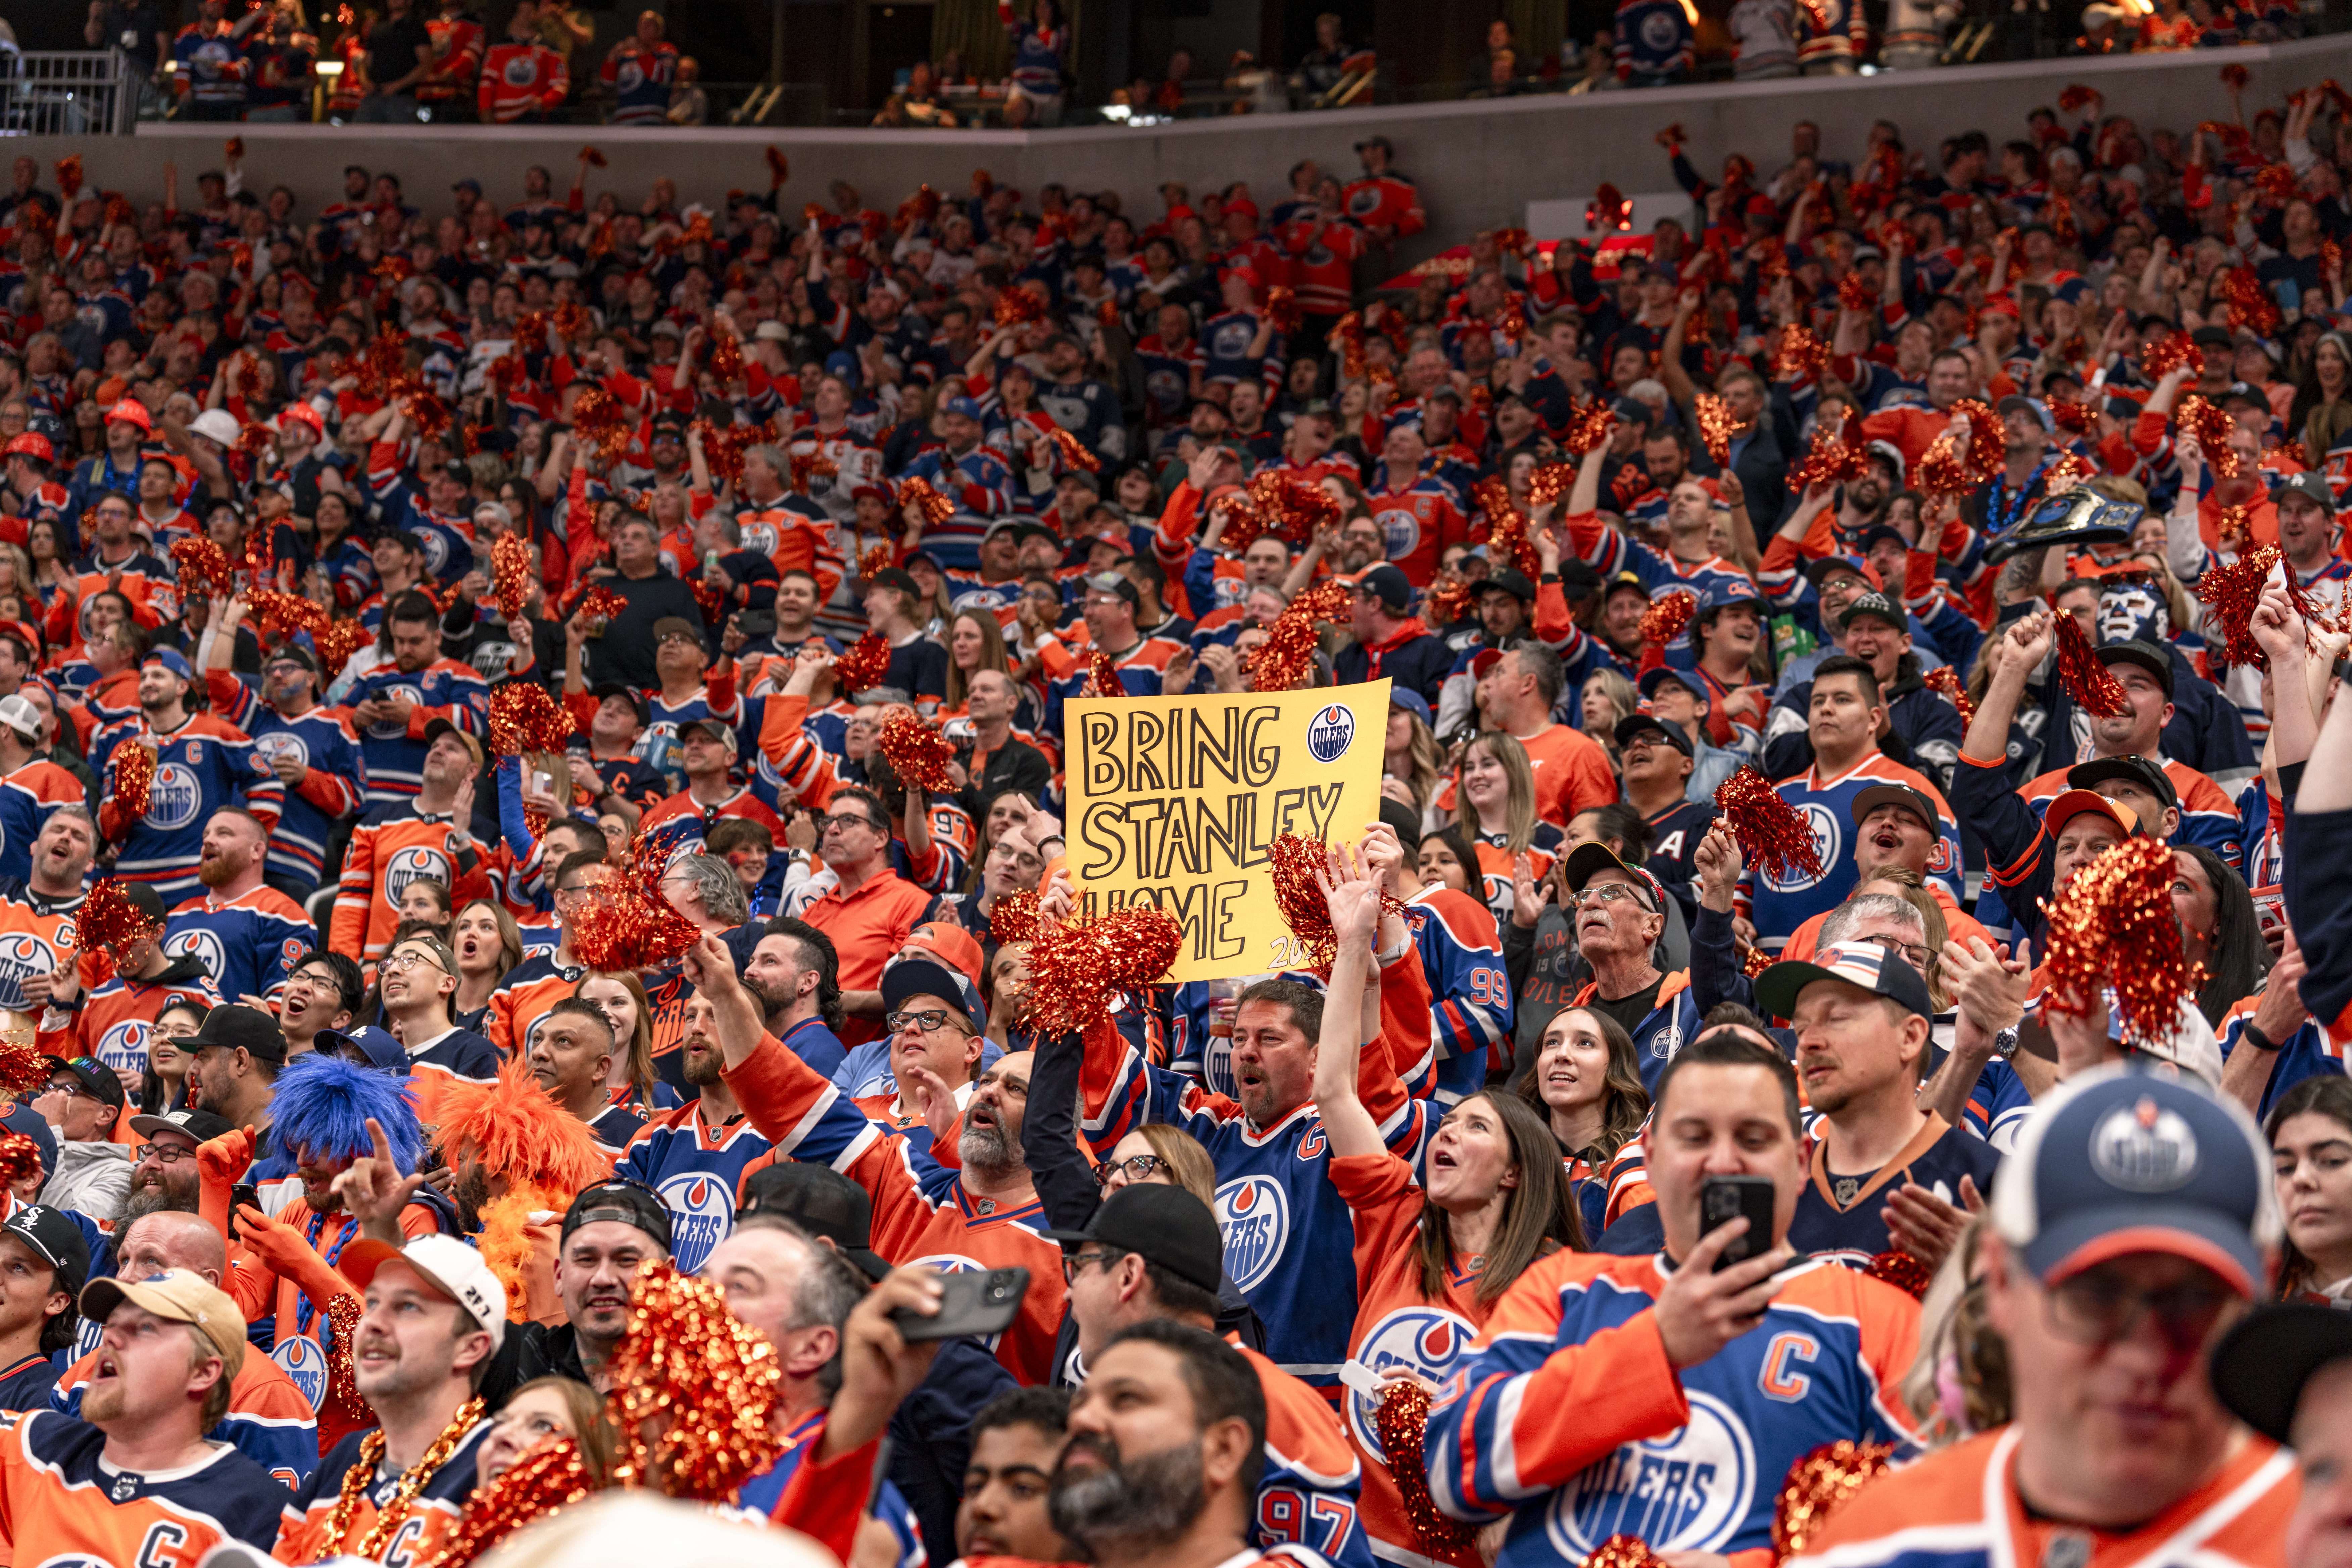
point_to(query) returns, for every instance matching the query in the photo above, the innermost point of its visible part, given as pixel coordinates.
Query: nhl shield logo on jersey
(1688, 1491)
(701, 1216)
(1429, 1340)
(22, 955)
(1828, 837)
(202, 942)
(417, 863)
(1329, 732)
(299, 1358)
(174, 799)
(2144, 1148)
(1254, 1212)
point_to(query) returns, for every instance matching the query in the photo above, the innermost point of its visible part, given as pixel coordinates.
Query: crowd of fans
(1984, 501)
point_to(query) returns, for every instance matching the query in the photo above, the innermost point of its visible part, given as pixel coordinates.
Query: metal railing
(80, 92)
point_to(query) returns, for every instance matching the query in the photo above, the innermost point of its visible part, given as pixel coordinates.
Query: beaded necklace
(357, 1480)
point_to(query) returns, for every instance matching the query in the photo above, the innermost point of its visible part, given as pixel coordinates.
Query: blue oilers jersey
(695, 1169)
(322, 741)
(201, 768)
(759, 1497)
(1779, 905)
(62, 1503)
(394, 753)
(1225, 341)
(1689, 1460)
(1841, 1216)
(1470, 994)
(657, 745)
(248, 945)
(1999, 1105)
(267, 1419)
(956, 543)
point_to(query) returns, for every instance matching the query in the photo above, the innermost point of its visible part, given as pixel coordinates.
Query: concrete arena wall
(1477, 163)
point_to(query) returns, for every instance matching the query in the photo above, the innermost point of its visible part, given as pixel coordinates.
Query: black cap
(1578, 580)
(2146, 654)
(2261, 1365)
(93, 1075)
(625, 1201)
(202, 1125)
(1389, 584)
(1634, 408)
(895, 577)
(1626, 580)
(1914, 801)
(1166, 1226)
(821, 1202)
(2213, 337)
(296, 653)
(2140, 771)
(144, 899)
(1874, 603)
(1117, 584)
(1505, 580)
(1634, 724)
(56, 1238)
(1821, 571)
(628, 694)
(2246, 391)
(1871, 537)
(234, 1026)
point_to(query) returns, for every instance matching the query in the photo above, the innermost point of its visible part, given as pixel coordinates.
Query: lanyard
(303, 1310)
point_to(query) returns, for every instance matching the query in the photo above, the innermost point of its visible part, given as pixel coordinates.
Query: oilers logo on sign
(1658, 33)
(1687, 1492)
(299, 1358)
(1329, 732)
(701, 1216)
(274, 743)
(1828, 837)
(175, 798)
(202, 942)
(394, 729)
(22, 955)
(1402, 528)
(125, 1045)
(417, 863)
(1430, 1339)
(1254, 1213)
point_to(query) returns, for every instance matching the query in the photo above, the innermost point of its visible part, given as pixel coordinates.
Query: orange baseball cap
(954, 945)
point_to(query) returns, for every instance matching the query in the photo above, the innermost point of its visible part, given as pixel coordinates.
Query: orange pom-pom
(690, 1369)
(69, 174)
(336, 642)
(1773, 835)
(1281, 661)
(598, 419)
(109, 922)
(1077, 967)
(2233, 589)
(510, 576)
(1716, 426)
(2213, 428)
(918, 753)
(1821, 1481)
(1672, 136)
(543, 1483)
(1014, 916)
(875, 559)
(19, 1157)
(233, 148)
(2067, 471)
(204, 569)
(1018, 307)
(2249, 302)
(2114, 926)
(1902, 1271)
(1282, 309)
(922, 494)
(524, 718)
(2076, 96)
(620, 923)
(1668, 614)
(1586, 428)
(592, 157)
(2071, 417)
(862, 664)
(1074, 453)
(134, 777)
(1945, 681)
(2175, 351)
(1102, 677)
(1828, 460)
(2234, 77)
(1802, 353)
(1624, 1551)
(2090, 683)
(1609, 209)
(1402, 1420)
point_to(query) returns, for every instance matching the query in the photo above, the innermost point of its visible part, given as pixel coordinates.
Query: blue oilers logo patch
(1430, 1339)
(701, 1216)
(1658, 34)
(1400, 527)
(1329, 732)
(1689, 1490)
(1254, 1213)
(200, 942)
(124, 1047)
(1828, 837)
(1363, 200)
(2144, 1147)
(299, 1358)
(175, 800)
(417, 863)
(22, 955)
(394, 729)
(759, 536)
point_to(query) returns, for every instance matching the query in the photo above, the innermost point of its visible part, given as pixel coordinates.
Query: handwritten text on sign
(1173, 801)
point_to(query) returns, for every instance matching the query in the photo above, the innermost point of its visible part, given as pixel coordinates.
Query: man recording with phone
(1719, 1360)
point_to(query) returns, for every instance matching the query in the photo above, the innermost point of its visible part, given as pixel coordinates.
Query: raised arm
(1350, 1006)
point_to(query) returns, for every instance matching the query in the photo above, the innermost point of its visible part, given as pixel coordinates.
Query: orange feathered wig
(513, 1127)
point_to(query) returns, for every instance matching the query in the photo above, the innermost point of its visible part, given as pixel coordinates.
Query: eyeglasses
(846, 820)
(410, 958)
(1916, 956)
(930, 1020)
(1139, 1168)
(72, 1088)
(162, 1153)
(1609, 893)
(1074, 1261)
(2098, 1308)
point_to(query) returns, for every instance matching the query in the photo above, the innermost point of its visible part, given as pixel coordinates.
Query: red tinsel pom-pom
(544, 1482)
(875, 560)
(1716, 425)
(2234, 77)
(19, 1157)
(2173, 352)
(1014, 916)
(1945, 681)
(1074, 453)
(1900, 1269)
(1588, 428)
(1624, 1551)
(336, 642)
(619, 925)
(597, 418)
(2114, 926)
(1447, 603)
(599, 603)
(1017, 307)
(1756, 962)
(70, 176)
(1282, 309)
(1281, 661)
(1553, 480)
(2090, 683)
(592, 157)
(1803, 353)
(134, 777)
(808, 463)
(920, 493)
(109, 922)
(1078, 966)
(2233, 589)
(524, 718)
(1102, 677)
(862, 664)
(204, 569)
(697, 1370)
(1854, 294)
(918, 753)
(2067, 471)
(2250, 303)
(1772, 833)
(1668, 614)
(1402, 1420)
(2212, 427)
(2071, 417)
(1828, 460)
(510, 576)
(2075, 96)
(1822, 1480)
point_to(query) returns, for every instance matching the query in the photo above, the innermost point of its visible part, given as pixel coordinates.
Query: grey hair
(723, 520)
(1867, 906)
(715, 881)
(74, 809)
(824, 1293)
(774, 457)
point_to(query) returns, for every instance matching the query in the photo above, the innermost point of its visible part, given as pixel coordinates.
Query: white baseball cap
(19, 713)
(449, 1265)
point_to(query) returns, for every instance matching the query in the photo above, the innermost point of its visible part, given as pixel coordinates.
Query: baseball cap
(1115, 583)
(1819, 571)
(93, 1075)
(2122, 1160)
(955, 946)
(1578, 580)
(295, 652)
(1723, 596)
(468, 183)
(2146, 654)
(1591, 859)
(1874, 603)
(821, 1202)
(2311, 487)
(628, 694)
(181, 1296)
(897, 577)
(1653, 679)
(963, 407)
(1413, 702)
(19, 713)
(2262, 1365)
(448, 1264)
(1634, 724)
(1914, 801)
(131, 411)
(2246, 391)
(1386, 583)
(234, 1026)
(677, 625)
(1618, 580)
(435, 730)
(1022, 528)
(219, 425)
(56, 1239)
(2140, 771)
(1878, 533)
(171, 659)
(1863, 963)
(914, 975)
(622, 1202)
(368, 1046)
(1161, 1225)
(718, 730)
(202, 1125)
(2070, 803)
(2014, 404)
(1506, 580)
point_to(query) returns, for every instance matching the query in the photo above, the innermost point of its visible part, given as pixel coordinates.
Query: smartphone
(1722, 1199)
(756, 623)
(542, 783)
(973, 1303)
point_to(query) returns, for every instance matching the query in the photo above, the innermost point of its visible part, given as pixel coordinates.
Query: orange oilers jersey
(397, 845)
(1959, 1508)
(922, 1212)
(430, 1518)
(523, 997)
(60, 1504)
(32, 930)
(117, 1018)
(1567, 1419)
(269, 1418)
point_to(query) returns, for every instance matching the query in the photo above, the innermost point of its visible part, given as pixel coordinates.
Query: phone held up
(971, 1302)
(1722, 1199)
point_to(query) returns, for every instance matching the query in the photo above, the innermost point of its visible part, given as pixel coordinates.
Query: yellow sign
(1173, 800)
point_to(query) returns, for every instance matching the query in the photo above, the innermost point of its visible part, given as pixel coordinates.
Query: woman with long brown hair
(1431, 1260)
(621, 995)
(2310, 1133)
(1587, 1086)
(488, 943)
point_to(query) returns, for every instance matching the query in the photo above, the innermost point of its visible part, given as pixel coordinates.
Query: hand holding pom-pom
(524, 718)
(862, 664)
(510, 576)
(1102, 677)
(1402, 1419)
(1773, 836)
(1075, 967)
(2084, 676)
(111, 923)
(918, 753)
(2114, 927)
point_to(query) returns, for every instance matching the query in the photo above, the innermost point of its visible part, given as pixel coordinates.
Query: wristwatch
(2004, 1043)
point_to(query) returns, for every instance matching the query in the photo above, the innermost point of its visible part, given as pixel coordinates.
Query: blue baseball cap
(1723, 596)
(916, 975)
(1653, 679)
(1412, 701)
(368, 1045)
(963, 406)
(2126, 1160)
(170, 659)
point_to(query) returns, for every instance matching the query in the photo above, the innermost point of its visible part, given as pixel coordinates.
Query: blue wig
(322, 1104)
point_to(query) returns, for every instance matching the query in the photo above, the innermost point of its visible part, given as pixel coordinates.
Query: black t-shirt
(391, 48)
(133, 30)
(918, 668)
(1629, 1011)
